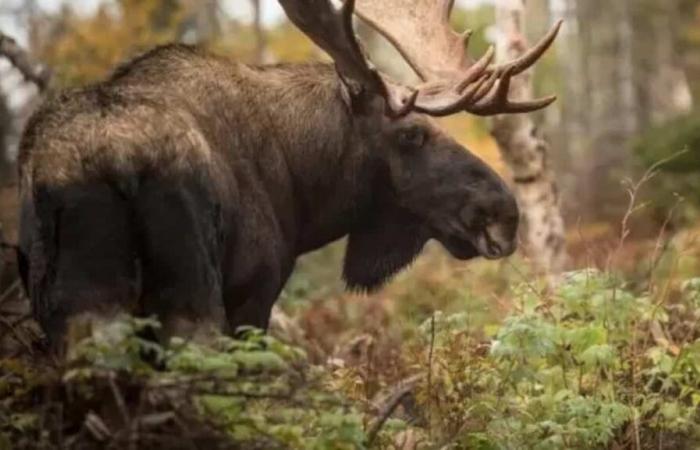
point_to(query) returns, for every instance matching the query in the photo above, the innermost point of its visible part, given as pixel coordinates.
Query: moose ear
(381, 247)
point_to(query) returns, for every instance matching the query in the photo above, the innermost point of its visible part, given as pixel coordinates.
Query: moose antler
(331, 29)
(420, 30)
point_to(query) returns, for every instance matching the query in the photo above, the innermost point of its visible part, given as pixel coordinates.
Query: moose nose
(502, 241)
(494, 222)
(497, 241)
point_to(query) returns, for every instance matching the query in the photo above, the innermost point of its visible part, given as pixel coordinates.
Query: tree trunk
(622, 73)
(6, 166)
(665, 90)
(525, 152)
(259, 30)
(202, 23)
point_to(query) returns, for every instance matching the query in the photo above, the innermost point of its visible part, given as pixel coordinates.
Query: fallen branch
(385, 407)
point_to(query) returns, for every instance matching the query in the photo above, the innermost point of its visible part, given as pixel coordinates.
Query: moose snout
(500, 241)
(494, 223)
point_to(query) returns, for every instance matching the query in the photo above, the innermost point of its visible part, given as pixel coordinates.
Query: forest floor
(481, 355)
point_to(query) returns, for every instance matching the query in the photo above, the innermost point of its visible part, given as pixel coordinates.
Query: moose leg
(251, 304)
(78, 242)
(179, 235)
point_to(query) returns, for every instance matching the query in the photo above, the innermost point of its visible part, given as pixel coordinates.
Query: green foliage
(573, 370)
(84, 49)
(17, 381)
(258, 392)
(591, 365)
(116, 346)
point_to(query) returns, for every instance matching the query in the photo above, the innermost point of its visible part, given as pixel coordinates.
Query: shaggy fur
(186, 186)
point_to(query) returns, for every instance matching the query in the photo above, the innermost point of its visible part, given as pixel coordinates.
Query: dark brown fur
(187, 185)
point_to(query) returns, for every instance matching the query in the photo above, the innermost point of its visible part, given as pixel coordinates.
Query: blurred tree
(201, 22)
(527, 154)
(679, 177)
(259, 31)
(688, 41)
(6, 166)
(624, 73)
(35, 73)
(32, 72)
(82, 50)
(287, 44)
(665, 91)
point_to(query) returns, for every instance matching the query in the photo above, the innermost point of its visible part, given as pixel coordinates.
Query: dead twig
(119, 400)
(18, 336)
(9, 291)
(155, 420)
(430, 355)
(96, 427)
(430, 363)
(633, 190)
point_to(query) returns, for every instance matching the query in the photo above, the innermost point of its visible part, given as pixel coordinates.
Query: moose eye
(411, 138)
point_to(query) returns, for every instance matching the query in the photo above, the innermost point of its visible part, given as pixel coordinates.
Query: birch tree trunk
(259, 31)
(525, 152)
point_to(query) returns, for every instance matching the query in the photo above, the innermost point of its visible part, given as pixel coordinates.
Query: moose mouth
(466, 244)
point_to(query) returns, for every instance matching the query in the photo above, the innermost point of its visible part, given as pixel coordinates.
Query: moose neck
(333, 170)
(328, 167)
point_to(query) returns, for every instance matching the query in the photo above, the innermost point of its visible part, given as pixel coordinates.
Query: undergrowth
(590, 366)
(594, 364)
(122, 391)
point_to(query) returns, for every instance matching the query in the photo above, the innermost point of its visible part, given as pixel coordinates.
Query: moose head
(428, 186)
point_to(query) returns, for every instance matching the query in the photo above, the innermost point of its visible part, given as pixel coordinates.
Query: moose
(186, 185)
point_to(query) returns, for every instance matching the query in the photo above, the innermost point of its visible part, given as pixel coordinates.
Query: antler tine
(440, 98)
(446, 7)
(497, 101)
(530, 57)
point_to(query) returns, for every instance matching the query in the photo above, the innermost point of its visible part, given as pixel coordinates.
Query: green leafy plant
(255, 392)
(577, 369)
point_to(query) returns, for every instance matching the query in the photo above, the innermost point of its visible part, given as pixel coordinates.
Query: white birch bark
(261, 56)
(525, 152)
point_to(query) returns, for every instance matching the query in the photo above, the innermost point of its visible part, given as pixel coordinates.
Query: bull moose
(186, 185)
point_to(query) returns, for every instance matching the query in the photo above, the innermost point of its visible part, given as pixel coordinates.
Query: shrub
(583, 368)
(122, 391)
